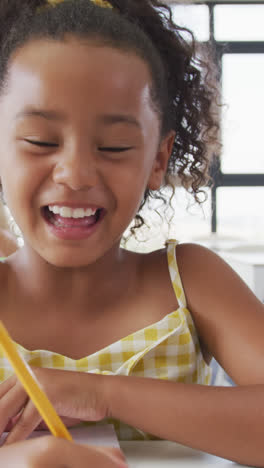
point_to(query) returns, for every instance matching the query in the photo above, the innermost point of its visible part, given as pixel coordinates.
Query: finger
(68, 422)
(27, 454)
(81, 456)
(53, 451)
(17, 455)
(13, 422)
(114, 453)
(106, 457)
(117, 453)
(7, 385)
(28, 421)
(12, 402)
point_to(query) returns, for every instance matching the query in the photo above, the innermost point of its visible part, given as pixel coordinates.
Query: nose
(76, 169)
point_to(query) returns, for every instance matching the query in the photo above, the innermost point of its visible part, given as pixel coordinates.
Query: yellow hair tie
(101, 3)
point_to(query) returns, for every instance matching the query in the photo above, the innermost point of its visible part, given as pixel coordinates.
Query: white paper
(93, 435)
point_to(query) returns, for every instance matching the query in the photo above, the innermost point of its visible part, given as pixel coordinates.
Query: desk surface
(164, 454)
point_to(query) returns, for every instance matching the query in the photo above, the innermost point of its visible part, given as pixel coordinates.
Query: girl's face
(78, 131)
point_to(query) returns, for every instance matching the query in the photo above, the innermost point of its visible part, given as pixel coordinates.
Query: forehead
(77, 75)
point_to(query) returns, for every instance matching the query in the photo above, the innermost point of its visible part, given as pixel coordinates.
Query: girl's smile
(81, 137)
(71, 223)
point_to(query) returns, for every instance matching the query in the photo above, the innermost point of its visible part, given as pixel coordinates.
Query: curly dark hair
(184, 90)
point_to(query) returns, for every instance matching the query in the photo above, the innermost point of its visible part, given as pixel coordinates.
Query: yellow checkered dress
(168, 349)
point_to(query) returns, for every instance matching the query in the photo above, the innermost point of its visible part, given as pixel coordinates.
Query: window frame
(219, 178)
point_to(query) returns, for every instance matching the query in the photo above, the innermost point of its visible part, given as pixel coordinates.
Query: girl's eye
(42, 143)
(110, 149)
(116, 149)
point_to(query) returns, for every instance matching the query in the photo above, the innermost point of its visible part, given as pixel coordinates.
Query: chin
(69, 260)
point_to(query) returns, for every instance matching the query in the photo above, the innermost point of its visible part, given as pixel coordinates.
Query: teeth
(78, 213)
(56, 209)
(67, 212)
(90, 212)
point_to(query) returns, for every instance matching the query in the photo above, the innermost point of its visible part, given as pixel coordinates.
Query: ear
(160, 164)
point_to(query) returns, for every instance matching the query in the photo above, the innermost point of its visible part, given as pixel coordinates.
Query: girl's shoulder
(195, 263)
(204, 271)
(208, 281)
(213, 292)
(189, 259)
(229, 318)
(177, 267)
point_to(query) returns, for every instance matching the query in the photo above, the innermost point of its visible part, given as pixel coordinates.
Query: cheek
(129, 192)
(131, 179)
(132, 176)
(20, 180)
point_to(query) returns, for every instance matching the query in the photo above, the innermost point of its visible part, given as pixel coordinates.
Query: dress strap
(174, 272)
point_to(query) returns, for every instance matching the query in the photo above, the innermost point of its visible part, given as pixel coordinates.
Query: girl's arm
(228, 317)
(227, 422)
(224, 421)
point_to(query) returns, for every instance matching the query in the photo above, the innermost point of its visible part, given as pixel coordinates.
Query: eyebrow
(108, 119)
(111, 119)
(45, 114)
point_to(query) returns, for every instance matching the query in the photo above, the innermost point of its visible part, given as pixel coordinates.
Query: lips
(72, 228)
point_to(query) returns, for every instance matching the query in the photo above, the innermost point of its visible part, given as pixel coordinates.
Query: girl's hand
(74, 395)
(55, 453)
(68, 422)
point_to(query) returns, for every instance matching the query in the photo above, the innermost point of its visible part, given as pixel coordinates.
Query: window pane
(194, 17)
(243, 94)
(239, 212)
(239, 22)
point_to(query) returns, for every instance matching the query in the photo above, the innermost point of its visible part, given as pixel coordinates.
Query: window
(238, 22)
(195, 17)
(240, 212)
(242, 86)
(238, 34)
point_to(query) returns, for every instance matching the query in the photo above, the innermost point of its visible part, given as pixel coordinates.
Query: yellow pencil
(32, 387)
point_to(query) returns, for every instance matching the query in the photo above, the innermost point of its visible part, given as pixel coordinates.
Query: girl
(102, 105)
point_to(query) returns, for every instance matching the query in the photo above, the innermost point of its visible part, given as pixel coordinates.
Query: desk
(164, 454)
